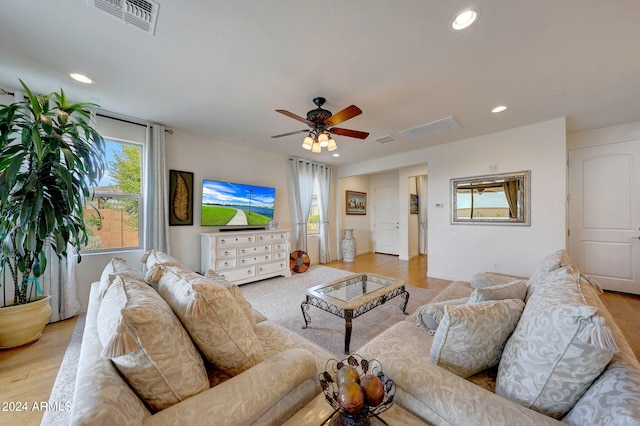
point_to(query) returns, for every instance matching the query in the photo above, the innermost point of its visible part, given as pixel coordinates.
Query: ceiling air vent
(139, 13)
(386, 139)
(444, 125)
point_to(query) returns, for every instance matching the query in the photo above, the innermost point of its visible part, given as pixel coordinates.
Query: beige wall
(459, 251)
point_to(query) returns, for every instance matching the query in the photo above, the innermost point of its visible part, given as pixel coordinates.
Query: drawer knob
(226, 263)
(223, 241)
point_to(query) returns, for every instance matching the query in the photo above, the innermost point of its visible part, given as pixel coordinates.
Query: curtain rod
(307, 161)
(170, 131)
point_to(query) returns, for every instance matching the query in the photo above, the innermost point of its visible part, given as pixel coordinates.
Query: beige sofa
(563, 356)
(269, 372)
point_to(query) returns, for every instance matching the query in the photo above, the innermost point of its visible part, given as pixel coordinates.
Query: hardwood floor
(27, 374)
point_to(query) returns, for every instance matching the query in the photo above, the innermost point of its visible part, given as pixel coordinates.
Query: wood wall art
(180, 198)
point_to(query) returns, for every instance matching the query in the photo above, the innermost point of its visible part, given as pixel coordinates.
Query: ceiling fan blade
(344, 115)
(290, 133)
(350, 133)
(295, 117)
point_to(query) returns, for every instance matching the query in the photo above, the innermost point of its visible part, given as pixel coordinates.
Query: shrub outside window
(112, 215)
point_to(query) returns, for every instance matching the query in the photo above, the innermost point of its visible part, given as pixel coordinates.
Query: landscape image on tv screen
(235, 204)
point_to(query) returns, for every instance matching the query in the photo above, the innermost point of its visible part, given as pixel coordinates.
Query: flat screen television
(237, 205)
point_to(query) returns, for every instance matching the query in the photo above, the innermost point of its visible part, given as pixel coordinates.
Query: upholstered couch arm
(265, 394)
(453, 400)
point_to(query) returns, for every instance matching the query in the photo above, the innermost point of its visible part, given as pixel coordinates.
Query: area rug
(62, 392)
(279, 300)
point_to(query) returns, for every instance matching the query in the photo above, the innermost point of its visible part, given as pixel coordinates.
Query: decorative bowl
(328, 381)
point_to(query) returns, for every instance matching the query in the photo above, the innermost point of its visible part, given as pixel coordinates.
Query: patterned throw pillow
(560, 345)
(143, 338)
(556, 260)
(513, 290)
(470, 338)
(212, 317)
(237, 295)
(429, 316)
(117, 266)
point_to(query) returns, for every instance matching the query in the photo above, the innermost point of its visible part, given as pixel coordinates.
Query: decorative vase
(22, 324)
(348, 246)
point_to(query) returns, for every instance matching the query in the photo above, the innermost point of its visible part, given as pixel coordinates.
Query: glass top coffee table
(352, 296)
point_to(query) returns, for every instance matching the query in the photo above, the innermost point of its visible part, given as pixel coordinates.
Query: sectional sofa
(504, 350)
(174, 347)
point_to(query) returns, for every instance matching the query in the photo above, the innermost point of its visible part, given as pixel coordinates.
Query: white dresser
(246, 256)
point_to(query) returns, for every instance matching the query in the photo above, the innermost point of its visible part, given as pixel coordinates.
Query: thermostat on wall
(439, 205)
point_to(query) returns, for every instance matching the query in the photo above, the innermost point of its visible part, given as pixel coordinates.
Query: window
(112, 215)
(313, 224)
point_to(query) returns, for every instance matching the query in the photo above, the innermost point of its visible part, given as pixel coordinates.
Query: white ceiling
(220, 68)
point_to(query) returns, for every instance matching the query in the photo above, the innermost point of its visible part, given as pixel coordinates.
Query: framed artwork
(413, 203)
(356, 202)
(180, 198)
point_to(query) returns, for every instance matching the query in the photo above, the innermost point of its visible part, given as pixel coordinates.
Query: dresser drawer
(225, 264)
(238, 274)
(252, 260)
(272, 267)
(254, 250)
(226, 253)
(280, 247)
(272, 237)
(280, 255)
(234, 240)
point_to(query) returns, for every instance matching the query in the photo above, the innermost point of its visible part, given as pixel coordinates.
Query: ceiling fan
(322, 124)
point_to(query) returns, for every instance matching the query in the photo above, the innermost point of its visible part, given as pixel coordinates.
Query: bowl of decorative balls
(358, 390)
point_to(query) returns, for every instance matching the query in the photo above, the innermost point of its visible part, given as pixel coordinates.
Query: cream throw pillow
(556, 260)
(216, 323)
(237, 295)
(470, 338)
(429, 316)
(513, 290)
(116, 266)
(560, 345)
(144, 339)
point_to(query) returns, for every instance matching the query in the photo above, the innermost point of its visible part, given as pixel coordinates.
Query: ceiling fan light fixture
(332, 145)
(464, 19)
(316, 148)
(307, 143)
(323, 139)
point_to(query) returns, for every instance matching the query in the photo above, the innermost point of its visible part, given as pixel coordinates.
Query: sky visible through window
(488, 199)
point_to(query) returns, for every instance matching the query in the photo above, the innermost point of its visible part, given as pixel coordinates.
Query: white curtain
(323, 180)
(59, 282)
(421, 184)
(302, 173)
(156, 193)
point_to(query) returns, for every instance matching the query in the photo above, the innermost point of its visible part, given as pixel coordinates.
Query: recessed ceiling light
(464, 19)
(81, 78)
(498, 109)
(336, 155)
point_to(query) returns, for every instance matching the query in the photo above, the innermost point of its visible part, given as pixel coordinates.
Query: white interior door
(604, 214)
(386, 223)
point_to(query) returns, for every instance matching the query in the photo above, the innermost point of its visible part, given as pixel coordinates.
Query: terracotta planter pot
(22, 324)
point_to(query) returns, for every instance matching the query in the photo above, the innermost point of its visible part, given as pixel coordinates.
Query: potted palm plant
(50, 158)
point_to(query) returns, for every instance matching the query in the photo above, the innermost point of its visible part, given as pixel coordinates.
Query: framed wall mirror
(500, 199)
